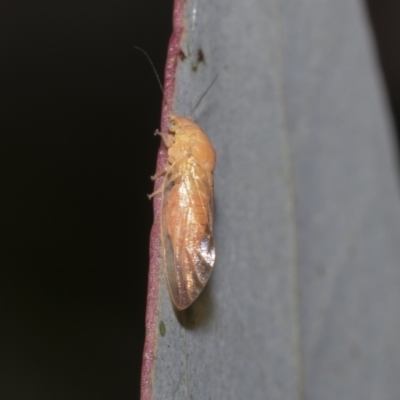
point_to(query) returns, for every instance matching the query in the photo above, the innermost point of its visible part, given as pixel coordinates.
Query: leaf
(304, 299)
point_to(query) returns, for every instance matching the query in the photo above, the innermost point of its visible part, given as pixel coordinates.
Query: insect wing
(187, 236)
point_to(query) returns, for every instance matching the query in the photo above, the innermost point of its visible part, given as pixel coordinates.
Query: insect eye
(173, 126)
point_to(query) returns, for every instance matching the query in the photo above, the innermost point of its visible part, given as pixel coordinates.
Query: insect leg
(166, 182)
(172, 174)
(159, 173)
(150, 196)
(168, 140)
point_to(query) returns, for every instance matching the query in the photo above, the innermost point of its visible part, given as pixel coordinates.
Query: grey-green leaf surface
(304, 302)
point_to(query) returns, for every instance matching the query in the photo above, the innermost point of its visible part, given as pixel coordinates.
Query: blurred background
(78, 108)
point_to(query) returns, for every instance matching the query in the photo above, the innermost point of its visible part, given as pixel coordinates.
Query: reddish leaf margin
(150, 346)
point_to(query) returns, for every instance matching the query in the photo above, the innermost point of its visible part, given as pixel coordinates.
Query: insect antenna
(203, 95)
(152, 66)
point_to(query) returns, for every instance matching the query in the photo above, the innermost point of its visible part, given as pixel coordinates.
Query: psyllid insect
(187, 216)
(187, 208)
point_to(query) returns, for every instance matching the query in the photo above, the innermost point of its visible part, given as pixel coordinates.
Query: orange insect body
(187, 235)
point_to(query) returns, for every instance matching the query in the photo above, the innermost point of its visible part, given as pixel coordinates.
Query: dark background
(78, 108)
(385, 20)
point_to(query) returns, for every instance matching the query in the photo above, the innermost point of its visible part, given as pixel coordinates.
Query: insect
(187, 216)
(187, 209)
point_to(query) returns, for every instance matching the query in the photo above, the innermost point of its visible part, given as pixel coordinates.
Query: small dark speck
(200, 56)
(200, 59)
(162, 328)
(181, 54)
